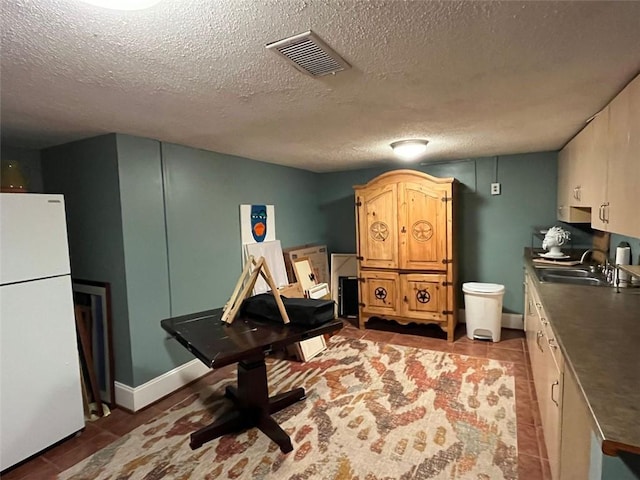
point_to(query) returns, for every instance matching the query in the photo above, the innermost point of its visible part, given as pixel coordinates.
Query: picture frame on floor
(97, 297)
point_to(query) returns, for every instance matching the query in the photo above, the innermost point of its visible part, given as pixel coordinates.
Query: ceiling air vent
(309, 54)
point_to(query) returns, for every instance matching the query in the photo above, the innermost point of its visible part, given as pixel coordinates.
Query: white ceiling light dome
(123, 4)
(409, 149)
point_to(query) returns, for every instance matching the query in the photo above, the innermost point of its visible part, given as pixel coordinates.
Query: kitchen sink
(574, 276)
(593, 281)
(566, 272)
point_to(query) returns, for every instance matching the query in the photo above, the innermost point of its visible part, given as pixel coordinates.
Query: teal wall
(145, 253)
(491, 231)
(624, 467)
(86, 172)
(204, 191)
(161, 224)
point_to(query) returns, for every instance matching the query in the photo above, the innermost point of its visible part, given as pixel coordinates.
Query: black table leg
(252, 408)
(230, 422)
(283, 400)
(271, 429)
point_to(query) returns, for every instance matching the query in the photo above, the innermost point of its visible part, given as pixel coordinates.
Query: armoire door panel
(377, 226)
(423, 227)
(424, 296)
(380, 292)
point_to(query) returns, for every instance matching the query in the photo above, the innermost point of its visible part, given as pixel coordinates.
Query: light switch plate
(495, 189)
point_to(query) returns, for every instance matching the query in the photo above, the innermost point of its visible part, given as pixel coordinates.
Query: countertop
(598, 331)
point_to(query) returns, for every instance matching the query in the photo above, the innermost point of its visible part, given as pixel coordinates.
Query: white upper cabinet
(569, 187)
(599, 169)
(617, 207)
(591, 162)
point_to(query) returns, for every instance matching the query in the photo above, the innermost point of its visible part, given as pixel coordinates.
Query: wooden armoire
(406, 262)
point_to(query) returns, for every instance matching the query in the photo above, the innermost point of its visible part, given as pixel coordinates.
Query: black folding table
(246, 342)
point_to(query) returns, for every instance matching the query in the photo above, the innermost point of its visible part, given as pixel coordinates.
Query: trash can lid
(477, 287)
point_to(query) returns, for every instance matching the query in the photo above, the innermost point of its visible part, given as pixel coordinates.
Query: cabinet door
(535, 337)
(564, 160)
(569, 188)
(423, 296)
(378, 226)
(550, 403)
(379, 292)
(623, 172)
(581, 151)
(603, 147)
(531, 321)
(575, 455)
(547, 375)
(593, 166)
(423, 227)
(547, 378)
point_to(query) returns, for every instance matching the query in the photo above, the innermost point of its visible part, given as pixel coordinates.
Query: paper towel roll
(623, 257)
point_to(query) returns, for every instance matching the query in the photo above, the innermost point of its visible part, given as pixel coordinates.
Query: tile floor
(532, 456)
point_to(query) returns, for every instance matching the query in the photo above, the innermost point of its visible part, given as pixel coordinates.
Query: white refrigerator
(40, 390)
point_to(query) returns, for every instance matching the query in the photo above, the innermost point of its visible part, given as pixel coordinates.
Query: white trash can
(483, 309)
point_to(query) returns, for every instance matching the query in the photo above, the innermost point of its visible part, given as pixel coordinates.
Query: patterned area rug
(373, 411)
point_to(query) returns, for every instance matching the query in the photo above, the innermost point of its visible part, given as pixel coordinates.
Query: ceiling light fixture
(409, 149)
(123, 4)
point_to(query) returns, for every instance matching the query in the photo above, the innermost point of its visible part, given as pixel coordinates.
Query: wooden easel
(239, 293)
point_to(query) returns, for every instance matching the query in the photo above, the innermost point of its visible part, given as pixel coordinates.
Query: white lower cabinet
(547, 365)
(573, 447)
(575, 452)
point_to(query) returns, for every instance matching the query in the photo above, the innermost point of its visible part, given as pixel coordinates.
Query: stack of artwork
(259, 241)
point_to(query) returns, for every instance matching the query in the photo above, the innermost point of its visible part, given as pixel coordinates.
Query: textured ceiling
(475, 78)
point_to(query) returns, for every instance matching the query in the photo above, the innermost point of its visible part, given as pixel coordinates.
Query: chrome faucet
(591, 250)
(607, 269)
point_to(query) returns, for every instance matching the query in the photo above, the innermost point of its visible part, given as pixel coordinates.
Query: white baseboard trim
(134, 399)
(509, 320)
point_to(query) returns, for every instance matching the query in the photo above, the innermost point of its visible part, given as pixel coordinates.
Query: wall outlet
(495, 189)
